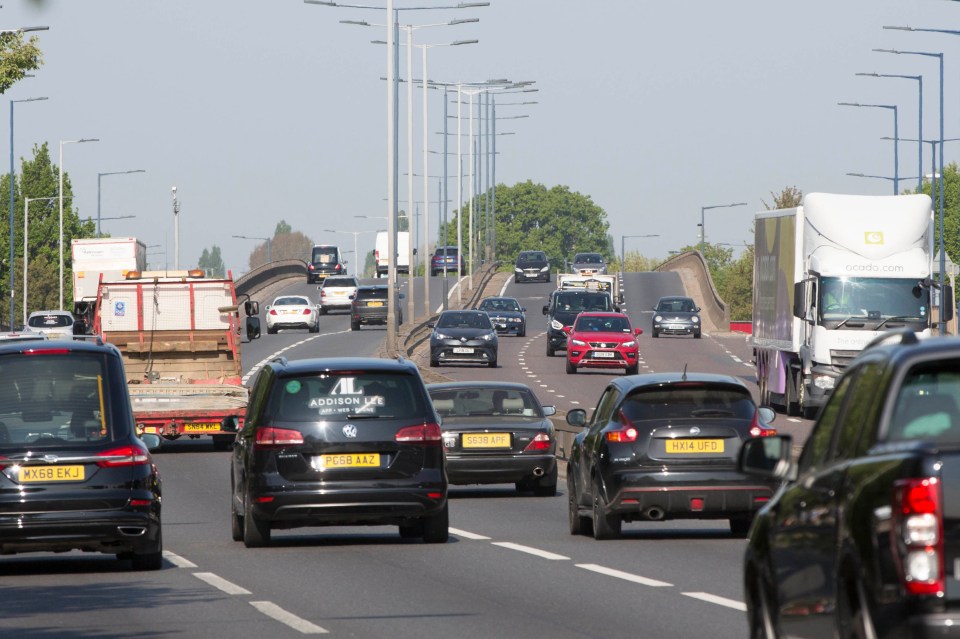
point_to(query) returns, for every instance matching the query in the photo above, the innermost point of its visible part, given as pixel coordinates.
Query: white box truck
(381, 252)
(109, 257)
(831, 275)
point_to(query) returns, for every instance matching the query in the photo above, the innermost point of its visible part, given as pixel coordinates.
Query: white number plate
(603, 354)
(462, 351)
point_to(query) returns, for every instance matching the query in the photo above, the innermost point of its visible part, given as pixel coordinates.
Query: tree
(286, 244)
(788, 198)
(951, 200)
(212, 263)
(17, 58)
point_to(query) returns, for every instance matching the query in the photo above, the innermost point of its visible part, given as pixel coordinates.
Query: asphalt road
(510, 569)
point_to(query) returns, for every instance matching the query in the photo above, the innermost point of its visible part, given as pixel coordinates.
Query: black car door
(592, 444)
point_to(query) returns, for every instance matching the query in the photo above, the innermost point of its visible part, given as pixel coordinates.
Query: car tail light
(759, 429)
(625, 434)
(46, 351)
(323, 293)
(273, 311)
(269, 436)
(338, 267)
(918, 536)
(425, 433)
(306, 311)
(123, 456)
(540, 442)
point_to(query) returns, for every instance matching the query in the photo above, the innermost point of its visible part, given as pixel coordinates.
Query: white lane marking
(465, 534)
(274, 611)
(266, 359)
(177, 560)
(714, 599)
(737, 359)
(574, 402)
(503, 289)
(532, 551)
(619, 574)
(221, 584)
(793, 419)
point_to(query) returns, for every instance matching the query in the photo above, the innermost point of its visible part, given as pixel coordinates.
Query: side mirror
(151, 441)
(253, 328)
(252, 308)
(567, 329)
(767, 414)
(946, 303)
(549, 410)
(414, 251)
(320, 288)
(431, 325)
(230, 425)
(577, 417)
(766, 457)
(638, 331)
(523, 310)
(696, 309)
(546, 310)
(267, 307)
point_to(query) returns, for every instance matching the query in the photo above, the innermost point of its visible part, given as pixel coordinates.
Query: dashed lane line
(531, 551)
(177, 560)
(261, 363)
(619, 574)
(277, 613)
(221, 584)
(466, 535)
(714, 599)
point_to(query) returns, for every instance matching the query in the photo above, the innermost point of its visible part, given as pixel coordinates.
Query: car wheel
(315, 328)
(434, 363)
(604, 526)
(546, 486)
(411, 531)
(579, 525)
(236, 523)
(696, 334)
(516, 280)
(633, 370)
(548, 278)
(654, 333)
(256, 532)
(323, 311)
(436, 528)
(571, 369)
(150, 560)
(522, 332)
(492, 363)
(550, 350)
(740, 526)
(790, 404)
(354, 325)
(271, 330)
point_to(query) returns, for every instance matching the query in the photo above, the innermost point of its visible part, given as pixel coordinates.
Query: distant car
(506, 314)
(602, 340)
(369, 306)
(74, 475)
(531, 266)
(447, 259)
(588, 264)
(562, 309)
(337, 292)
(495, 433)
(676, 315)
(463, 337)
(53, 324)
(664, 446)
(325, 260)
(292, 311)
(339, 442)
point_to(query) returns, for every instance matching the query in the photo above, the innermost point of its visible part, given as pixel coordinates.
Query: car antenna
(684, 377)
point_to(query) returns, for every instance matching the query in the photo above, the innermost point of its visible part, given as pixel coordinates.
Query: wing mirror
(253, 328)
(252, 308)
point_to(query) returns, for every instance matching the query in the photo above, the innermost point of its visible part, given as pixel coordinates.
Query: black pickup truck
(863, 537)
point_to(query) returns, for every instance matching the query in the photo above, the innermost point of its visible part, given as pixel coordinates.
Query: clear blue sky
(268, 109)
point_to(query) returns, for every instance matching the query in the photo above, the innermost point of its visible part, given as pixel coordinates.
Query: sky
(262, 110)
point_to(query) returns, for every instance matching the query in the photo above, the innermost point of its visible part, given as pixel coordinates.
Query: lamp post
(62, 142)
(265, 239)
(623, 253)
(356, 255)
(703, 229)
(99, 176)
(26, 241)
(896, 138)
(176, 229)
(12, 102)
(919, 79)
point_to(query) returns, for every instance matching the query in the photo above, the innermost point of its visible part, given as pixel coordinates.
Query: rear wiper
(367, 416)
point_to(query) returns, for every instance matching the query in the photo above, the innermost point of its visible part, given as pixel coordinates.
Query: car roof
(479, 384)
(333, 364)
(339, 278)
(676, 378)
(497, 297)
(670, 298)
(21, 345)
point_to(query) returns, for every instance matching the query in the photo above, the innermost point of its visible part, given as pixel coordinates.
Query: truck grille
(842, 359)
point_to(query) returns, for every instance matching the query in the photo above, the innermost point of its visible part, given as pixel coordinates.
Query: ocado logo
(873, 237)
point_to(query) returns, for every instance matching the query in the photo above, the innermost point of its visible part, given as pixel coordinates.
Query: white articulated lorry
(831, 275)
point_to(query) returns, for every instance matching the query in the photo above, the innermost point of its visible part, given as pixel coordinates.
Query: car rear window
(692, 400)
(372, 293)
(450, 251)
(49, 399)
(347, 395)
(926, 406)
(484, 402)
(50, 321)
(291, 301)
(324, 255)
(341, 282)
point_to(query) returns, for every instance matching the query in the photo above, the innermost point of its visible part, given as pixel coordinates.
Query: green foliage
(282, 228)
(285, 245)
(212, 263)
(17, 58)
(951, 206)
(790, 197)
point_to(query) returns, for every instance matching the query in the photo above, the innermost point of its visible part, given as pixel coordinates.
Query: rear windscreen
(372, 294)
(49, 399)
(689, 401)
(347, 395)
(584, 302)
(324, 256)
(50, 321)
(485, 402)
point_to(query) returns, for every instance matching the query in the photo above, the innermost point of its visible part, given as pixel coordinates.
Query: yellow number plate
(201, 428)
(351, 460)
(702, 446)
(50, 473)
(486, 440)
(374, 303)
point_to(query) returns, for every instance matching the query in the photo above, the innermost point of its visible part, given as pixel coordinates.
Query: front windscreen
(500, 305)
(346, 395)
(466, 319)
(877, 300)
(532, 257)
(577, 302)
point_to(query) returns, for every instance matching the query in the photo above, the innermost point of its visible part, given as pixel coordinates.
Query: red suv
(602, 340)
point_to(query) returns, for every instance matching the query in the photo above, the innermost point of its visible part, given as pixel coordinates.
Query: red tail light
(917, 538)
(323, 293)
(758, 429)
(306, 311)
(124, 456)
(339, 266)
(626, 433)
(273, 311)
(46, 351)
(540, 442)
(425, 433)
(268, 436)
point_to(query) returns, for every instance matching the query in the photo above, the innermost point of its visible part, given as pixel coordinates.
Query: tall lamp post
(265, 239)
(62, 142)
(12, 174)
(703, 228)
(99, 176)
(623, 253)
(896, 138)
(356, 255)
(919, 79)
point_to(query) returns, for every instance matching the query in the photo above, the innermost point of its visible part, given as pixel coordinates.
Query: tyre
(354, 325)
(571, 369)
(323, 311)
(548, 278)
(436, 528)
(654, 333)
(523, 332)
(256, 532)
(315, 328)
(740, 526)
(434, 363)
(604, 526)
(696, 334)
(790, 404)
(236, 523)
(546, 486)
(550, 350)
(150, 560)
(633, 370)
(271, 330)
(516, 280)
(492, 363)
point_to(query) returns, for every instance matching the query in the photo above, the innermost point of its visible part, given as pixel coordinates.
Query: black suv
(863, 539)
(369, 306)
(73, 473)
(531, 266)
(562, 310)
(339, 442)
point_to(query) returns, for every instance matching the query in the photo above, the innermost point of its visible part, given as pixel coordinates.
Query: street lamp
(265, 239)
(99, 176)
(623, 254)
(176, 229)
(919, 79)
(896, 138)
(703, 229)
(356, 255)
(62, 142)
(12, 102)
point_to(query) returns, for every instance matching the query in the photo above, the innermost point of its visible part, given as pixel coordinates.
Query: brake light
(323, 293)
(540, 442)
(758, 429)
(338, 267)
(918, 536)
(624, 435)
(46, 351)
(426, 433)
(306, 311)
(269, 436)
(123, 456)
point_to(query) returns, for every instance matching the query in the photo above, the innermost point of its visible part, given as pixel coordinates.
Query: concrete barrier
(693, 272)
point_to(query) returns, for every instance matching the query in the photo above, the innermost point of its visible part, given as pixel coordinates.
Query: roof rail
(903, 336)
(280, 359)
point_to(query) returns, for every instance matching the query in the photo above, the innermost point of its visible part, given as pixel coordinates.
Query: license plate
(675, 327)
(606, 354)
(289, 312)
(374, 303)
(30, 474)
(460, 350)
(486, 440)
(702, 446)
(201, 427)
(347, 460)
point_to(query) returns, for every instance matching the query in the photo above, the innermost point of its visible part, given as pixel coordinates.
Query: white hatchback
(53, 324)
(337, 292)
(292, 311)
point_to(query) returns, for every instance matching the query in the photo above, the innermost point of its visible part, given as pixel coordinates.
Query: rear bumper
(355, 506)
(497, 470)
(117, 531)
(531, 277)
(687, 495)
(378, 316)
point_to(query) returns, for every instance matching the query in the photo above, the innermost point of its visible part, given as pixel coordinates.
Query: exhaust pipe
(653, 513)
(538, 472)
(132, 531)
